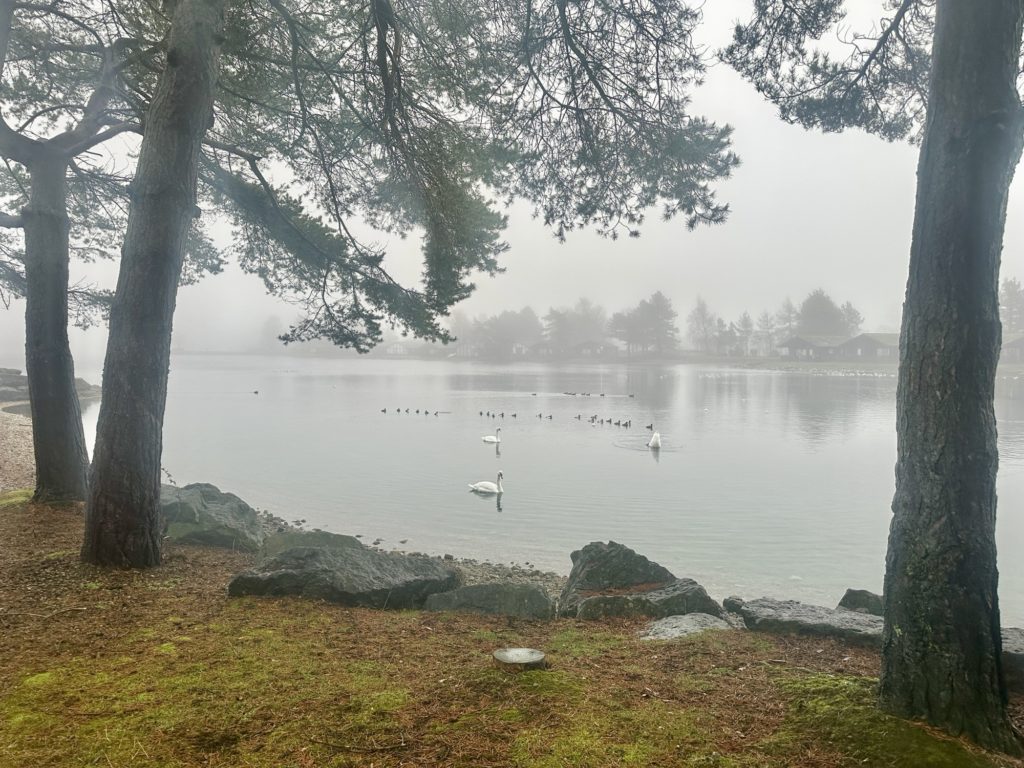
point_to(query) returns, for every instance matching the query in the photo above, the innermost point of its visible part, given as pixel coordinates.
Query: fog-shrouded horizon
(808, 210)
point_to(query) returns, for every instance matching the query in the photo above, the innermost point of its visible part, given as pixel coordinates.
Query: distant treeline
(649, 329)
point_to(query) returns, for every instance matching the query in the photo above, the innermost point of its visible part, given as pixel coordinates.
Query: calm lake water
(768, 483)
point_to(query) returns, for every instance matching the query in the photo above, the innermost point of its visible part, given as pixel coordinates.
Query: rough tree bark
(58, 439)
(941, 652)
(122, 515)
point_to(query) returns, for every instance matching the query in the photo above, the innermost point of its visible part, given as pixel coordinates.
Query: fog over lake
(768, 483)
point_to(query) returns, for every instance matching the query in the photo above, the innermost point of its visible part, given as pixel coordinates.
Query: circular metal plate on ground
(520, 658)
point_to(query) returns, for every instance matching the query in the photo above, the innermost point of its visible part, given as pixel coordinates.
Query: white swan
(655, 441)
(486, 487)
(495, 438)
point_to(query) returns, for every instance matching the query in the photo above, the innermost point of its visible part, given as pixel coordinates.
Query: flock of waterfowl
(486, 487)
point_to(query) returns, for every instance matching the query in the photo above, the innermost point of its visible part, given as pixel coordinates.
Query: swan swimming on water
(486, 487)
(495, 438)
(655, 441)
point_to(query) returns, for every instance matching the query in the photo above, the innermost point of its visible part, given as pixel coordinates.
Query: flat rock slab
(672, 627)
(201, 513)
(278, 542)
(357, 577)
(1013, 657)
(525, 601)
(680, 597)
(768, 615)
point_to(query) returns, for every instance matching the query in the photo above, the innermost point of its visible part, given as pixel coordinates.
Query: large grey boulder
(14, 387)
(1013, 657)
(672, 627)
(602, 568)
(861, 601)
(276, 543)
(86, 390)
(201, 513)
(12, 394)
(357, 577)
(781, 616)
(680, 597)
(526, 601)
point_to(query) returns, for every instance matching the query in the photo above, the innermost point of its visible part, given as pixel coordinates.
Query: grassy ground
(160, 669)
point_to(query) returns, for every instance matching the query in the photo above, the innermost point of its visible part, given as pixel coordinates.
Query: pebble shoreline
(17, 461)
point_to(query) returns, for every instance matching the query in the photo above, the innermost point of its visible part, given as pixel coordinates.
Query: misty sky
(808, 210)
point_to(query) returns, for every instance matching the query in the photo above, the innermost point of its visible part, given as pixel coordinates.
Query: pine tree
(943, 74)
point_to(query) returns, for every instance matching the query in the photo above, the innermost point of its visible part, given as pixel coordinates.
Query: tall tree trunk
(941, 650)
(62, 462)
(122, 516)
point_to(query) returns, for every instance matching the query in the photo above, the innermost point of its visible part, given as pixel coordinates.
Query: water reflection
(1010, 417)
(820, 407)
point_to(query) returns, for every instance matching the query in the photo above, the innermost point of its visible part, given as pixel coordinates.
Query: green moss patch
(840, 713)
(16, 497)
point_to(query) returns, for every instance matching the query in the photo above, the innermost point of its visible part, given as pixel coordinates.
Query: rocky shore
(17, 465)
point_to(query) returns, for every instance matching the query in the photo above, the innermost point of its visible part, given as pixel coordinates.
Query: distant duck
(514, 415)
(481, 413)
(406, 410)
(496, 438)
(655, 441)
(628, 423)
(618, 423)
(540, 415)
(502, 414)
(550, 416)
(487, 488)
(631, 394)
(650, 426)
(383, 410)
(578, 417)
(417, 410)
(255, 391)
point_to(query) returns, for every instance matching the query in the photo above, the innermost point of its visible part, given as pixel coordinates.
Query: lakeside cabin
(870, 346)
(1013, 348)
(810, 347)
